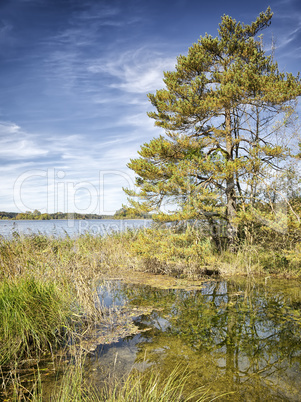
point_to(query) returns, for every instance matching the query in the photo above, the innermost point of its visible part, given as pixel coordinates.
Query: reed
(48, 294)
(34, 315)
(139, 386)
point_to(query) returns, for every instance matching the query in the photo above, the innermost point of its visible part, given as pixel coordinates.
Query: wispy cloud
(6, 38)
(62, 170)
(136, 71)
(286, 31)
(17, 144)
(5, 28)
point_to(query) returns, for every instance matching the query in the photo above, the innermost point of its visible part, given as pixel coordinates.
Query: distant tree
(130, 213)
(225, 111)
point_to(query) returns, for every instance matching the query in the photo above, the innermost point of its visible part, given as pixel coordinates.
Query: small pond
(242, 336)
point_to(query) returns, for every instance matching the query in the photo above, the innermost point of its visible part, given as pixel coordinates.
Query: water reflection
(233, 336)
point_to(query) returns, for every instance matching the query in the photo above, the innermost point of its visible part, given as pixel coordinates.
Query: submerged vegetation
(136, 387)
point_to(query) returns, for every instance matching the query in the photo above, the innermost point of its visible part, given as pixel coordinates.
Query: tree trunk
(230, 188)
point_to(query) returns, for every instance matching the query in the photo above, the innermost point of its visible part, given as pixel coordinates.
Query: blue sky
(74, 78)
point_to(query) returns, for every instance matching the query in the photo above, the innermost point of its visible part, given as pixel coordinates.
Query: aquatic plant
(139, 386)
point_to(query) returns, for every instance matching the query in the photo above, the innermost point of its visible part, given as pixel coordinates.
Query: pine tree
(224, 111)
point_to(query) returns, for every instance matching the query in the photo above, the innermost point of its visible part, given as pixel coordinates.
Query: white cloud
(31, 181)
(138, 71)
(17, 144)
(107, 89)
(98, 11)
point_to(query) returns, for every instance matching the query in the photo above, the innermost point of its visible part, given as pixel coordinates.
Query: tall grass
(138, 386)
(187, 252)
(47, 294)
(34, 314)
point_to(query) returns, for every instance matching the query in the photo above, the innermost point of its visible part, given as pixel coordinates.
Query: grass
(33, 315)
(47, 295)
(151, 386)
(147, 386)
(138, 386)
(191, 254)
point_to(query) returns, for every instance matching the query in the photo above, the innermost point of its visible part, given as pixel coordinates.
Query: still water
(70, 227)
(241, 336)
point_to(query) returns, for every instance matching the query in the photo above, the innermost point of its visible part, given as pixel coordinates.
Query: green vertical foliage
(33, 314)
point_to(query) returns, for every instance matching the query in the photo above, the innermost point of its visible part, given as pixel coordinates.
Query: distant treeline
(37, 215)
(122, 213)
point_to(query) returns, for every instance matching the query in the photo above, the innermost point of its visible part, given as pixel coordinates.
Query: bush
(170, 251)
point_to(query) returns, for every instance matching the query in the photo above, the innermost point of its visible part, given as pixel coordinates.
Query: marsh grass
(187, 252)
(34, 315)
(138, 386)
(48, 296)
(17, 390)
(152, 386)
(48, 299)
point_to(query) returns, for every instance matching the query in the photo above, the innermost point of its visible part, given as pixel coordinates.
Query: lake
(70, 227)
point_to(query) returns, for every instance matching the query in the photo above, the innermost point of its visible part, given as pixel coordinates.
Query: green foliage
(8, 215)
(143, 387)
(130, 213)
(226, 111)
(171, 251)
(33, 314)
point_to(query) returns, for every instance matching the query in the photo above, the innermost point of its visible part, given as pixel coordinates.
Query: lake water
(70, 227)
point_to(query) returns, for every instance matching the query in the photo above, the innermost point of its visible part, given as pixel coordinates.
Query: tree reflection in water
(232, 336)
